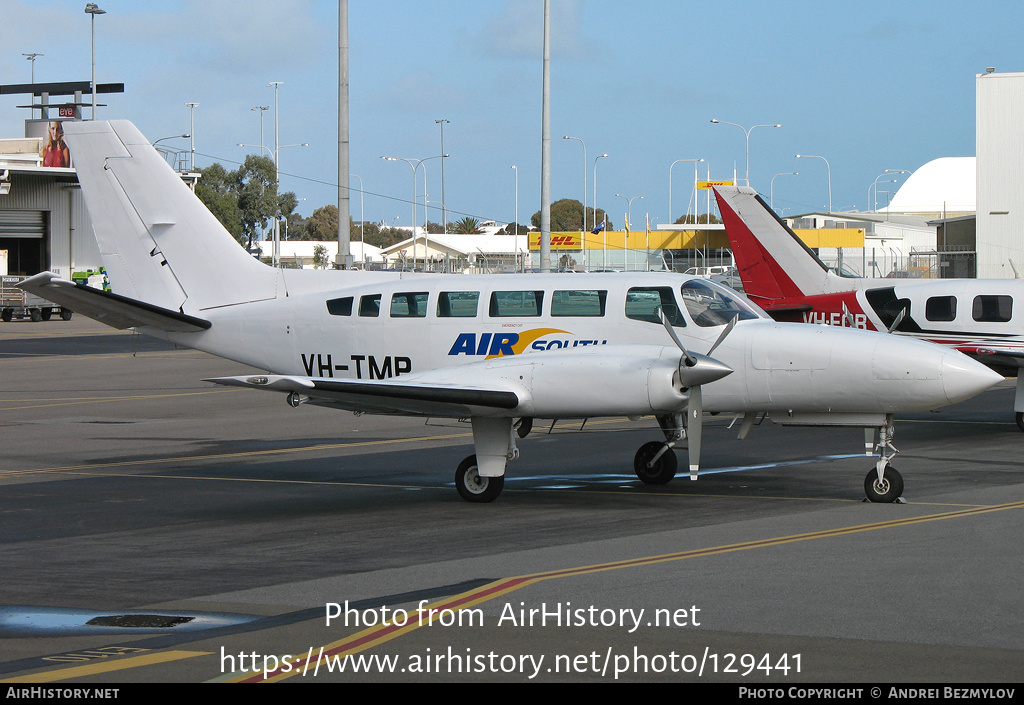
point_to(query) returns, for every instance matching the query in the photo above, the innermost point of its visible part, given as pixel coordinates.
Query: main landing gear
(474, 488)
(883, 483)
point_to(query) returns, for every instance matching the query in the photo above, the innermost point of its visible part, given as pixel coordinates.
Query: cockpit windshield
(711, 304)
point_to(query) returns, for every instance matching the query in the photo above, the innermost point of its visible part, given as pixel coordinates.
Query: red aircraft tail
(776, 267)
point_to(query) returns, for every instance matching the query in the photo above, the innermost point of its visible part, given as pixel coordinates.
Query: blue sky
(868, 85)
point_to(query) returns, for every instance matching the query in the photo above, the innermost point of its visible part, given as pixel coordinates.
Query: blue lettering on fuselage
(488, 344)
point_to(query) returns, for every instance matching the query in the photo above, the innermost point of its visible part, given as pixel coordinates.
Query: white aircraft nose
(962, 377)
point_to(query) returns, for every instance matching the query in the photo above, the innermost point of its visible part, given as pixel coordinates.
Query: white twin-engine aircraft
(499, 350)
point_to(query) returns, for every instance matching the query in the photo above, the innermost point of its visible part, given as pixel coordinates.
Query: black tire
(524, 427)
(889, 490)
(36, 315)
(47, 313)
(66, 314)
(662, 471)
(7, 314)
(474, 488)
(1019, 415)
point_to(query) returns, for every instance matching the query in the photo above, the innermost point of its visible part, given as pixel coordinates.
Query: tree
(246, 199)
(323, 224)
(567, 215)
(511, 229)
(467, 226)
(690, 219)
(257, 193)
(320, 257)
(216, 190)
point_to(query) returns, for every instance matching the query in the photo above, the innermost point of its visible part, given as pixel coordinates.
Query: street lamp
(516, 170)
(192, 134)
(362, 220)
(444, 209)
(746, 134)
(888, 172)
(414, 164)
(828, 167)
(92, 10)
(670, 220)
(629, 206)
(32, 58)
(771, 201)
(567, 137)
(594, 221)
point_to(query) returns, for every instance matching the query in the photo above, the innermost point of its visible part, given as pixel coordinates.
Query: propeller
(696, 370)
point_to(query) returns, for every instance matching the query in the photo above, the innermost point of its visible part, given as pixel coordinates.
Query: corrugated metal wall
(71, 243)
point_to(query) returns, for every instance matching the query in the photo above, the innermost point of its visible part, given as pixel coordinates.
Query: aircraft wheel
(524, 427)
(36, 315)
(888, 490)
(1020, 420)
(66, 314)
(662, 471)
(474, 488)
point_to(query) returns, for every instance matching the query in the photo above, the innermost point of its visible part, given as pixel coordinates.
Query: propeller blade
(725, 333)
(690, 360)
(899, 319)
(694, 423)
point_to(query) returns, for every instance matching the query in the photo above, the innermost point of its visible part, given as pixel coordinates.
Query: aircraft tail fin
(160, 245)
(772, 261)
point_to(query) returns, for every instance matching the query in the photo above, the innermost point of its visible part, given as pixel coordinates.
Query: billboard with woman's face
(54, 151)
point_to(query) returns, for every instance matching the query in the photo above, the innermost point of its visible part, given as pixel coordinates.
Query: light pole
(670, 220)
(262, 109)
(362, 221)
(593, 222)
(828, 167)
(192, 134)
(92, 10)
(516, 170)
(771, 202)
(567, 137)
(888, 172)
(32, 58)
(414, 164)
(444, 209)
(629, 206)
(746, 134)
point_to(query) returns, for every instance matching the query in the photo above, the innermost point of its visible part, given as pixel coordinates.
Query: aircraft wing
(393, 397)
(114, 310)
(994, 355)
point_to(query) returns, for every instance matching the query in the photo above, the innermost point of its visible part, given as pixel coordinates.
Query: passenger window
(940, 308)
(642, 304)
(369, 306)
(457, 304)
(993, 309)
(712, 305)
(409, 305)
(578, 303)
(516, 304)
(340, 307)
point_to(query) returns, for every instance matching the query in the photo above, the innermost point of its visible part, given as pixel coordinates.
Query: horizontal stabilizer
(111, 309)
(384, 396)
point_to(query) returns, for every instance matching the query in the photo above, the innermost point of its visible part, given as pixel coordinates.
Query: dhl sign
(559, 241)
(705, 185)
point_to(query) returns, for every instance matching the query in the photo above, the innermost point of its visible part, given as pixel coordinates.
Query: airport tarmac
(156, 528)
